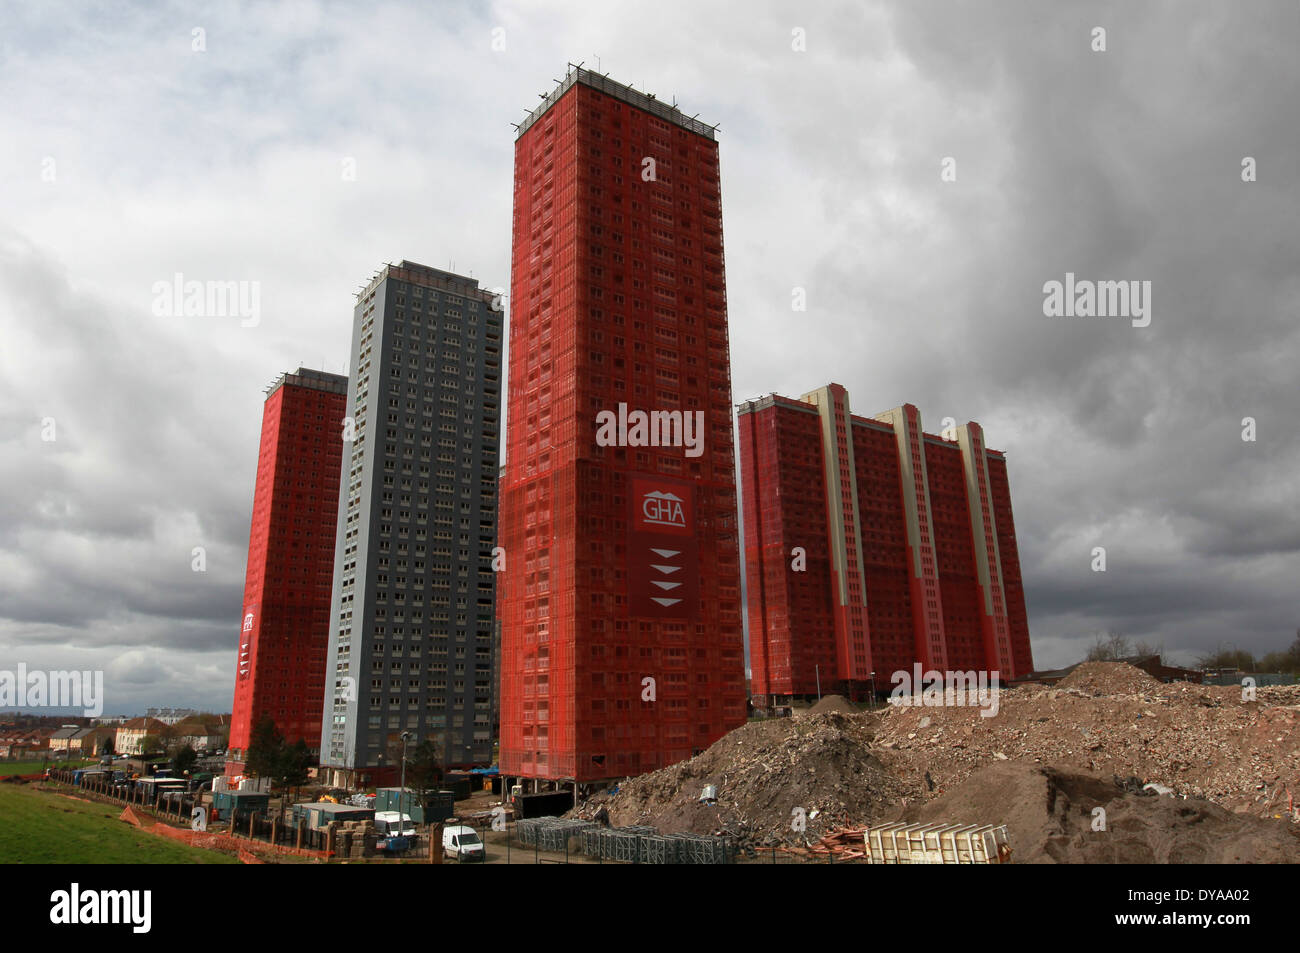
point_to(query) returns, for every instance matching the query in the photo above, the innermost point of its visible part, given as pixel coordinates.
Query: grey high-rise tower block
(410, 649)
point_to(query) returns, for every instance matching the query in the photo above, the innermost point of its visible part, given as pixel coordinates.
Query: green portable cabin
(238, 805)
(435, 806)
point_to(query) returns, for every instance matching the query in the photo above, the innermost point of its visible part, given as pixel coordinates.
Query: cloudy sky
(130, 156)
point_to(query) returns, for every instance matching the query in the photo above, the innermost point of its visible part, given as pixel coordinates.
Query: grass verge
(39, 827)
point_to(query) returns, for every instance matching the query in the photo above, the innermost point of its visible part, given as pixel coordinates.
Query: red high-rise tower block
(871, 546)
(280, 671)
(621, 632)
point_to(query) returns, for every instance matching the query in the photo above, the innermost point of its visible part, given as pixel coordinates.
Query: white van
(386, 825)
(462, 843)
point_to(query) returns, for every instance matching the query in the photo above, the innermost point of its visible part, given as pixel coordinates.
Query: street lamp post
(401, 801)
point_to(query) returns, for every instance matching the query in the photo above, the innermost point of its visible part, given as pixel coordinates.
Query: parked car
(462, 843)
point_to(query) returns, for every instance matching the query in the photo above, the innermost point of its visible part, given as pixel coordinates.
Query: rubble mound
(831, 703)
(1037, 759)
(1109, 678)
(762, 772)
(1203, 741)
(1049, 814)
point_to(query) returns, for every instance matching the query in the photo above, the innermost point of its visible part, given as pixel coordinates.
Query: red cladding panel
(617, 297)
(792, 621)
(886, 555)
(963, 599)
(280, 672)
(787, 565)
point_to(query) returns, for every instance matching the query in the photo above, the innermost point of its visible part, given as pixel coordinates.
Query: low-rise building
(131, 734)
(62, 738)
(25, 743)
(89, 742)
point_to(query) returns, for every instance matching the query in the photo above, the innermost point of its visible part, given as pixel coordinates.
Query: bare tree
(1147, 648)
(1238, 659)
(1109, 647)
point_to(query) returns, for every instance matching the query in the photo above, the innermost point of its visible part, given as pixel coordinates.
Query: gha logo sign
(660, 508)
(246, 647)
(663, 555)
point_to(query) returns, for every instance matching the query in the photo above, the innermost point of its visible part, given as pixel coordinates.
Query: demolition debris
(1108, 737)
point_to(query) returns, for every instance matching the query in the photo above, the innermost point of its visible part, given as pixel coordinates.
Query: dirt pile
(1049, 814)
(1056, 753)
(1202, 741)
(1109, 678)
(820, 763)
(829, 704)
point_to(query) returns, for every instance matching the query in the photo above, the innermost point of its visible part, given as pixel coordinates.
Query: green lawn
(39, 827)
(33, 767)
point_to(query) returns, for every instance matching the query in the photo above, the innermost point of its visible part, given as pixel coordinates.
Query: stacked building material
(645, 845)
(550, 833)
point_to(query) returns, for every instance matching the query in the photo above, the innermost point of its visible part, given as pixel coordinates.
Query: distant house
(131, 734)
(88, 741)
(62, 738)
(70, 740)
(25, 743)
(197, 732)
(11, 737)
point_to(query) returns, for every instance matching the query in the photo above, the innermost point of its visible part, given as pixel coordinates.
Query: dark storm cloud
(1117, 165)
(224, 165)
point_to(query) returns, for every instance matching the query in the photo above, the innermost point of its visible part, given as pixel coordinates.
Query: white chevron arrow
(665, 602)
(666, 553)
(664, 585)
(666, 570)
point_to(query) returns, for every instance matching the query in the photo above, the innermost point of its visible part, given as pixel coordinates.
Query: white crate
(900, 843)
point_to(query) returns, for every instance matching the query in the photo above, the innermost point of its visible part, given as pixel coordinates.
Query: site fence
(595, 843)
(562, 840)
(284, 834)
(541, 840)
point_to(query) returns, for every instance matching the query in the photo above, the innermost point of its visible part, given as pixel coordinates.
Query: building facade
(871, 546)
(132, 733)
(410, 638)
(280, 670)
(62, 740)
(621, 630)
